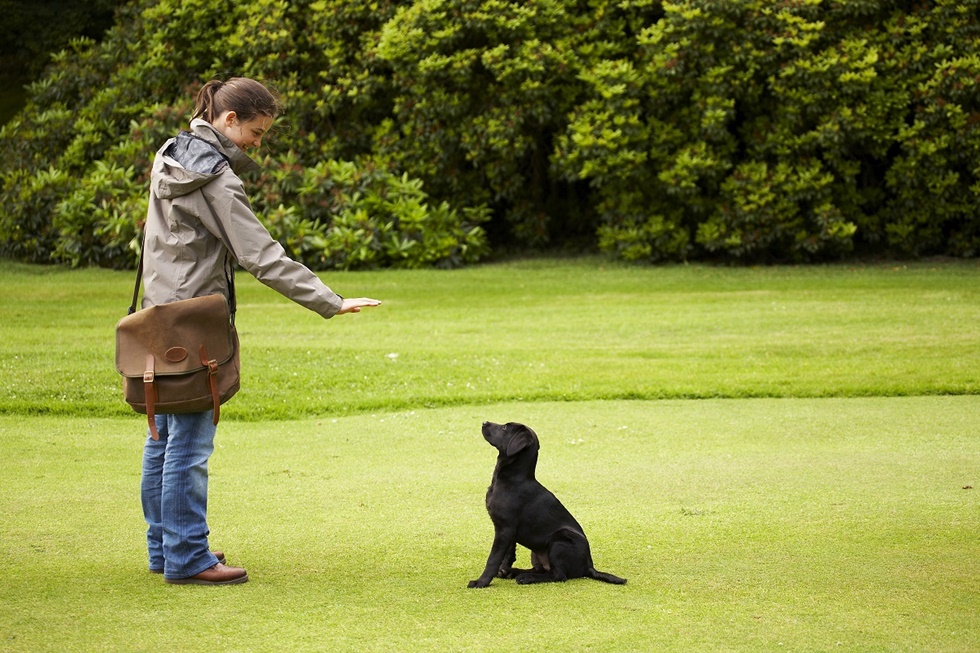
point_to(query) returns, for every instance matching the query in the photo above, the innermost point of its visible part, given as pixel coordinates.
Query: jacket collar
(240, 161)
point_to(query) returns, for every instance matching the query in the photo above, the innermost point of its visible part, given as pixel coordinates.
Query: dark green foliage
(32, 29)
(341, 215)
(740, 130)
(797, 130)
(108, 107)
(479, 89)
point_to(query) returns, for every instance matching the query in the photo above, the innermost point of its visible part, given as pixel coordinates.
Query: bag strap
(212, 366)
(139, 278)
(230, 278)
(150, 396)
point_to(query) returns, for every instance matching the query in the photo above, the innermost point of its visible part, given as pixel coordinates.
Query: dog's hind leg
(564, 559)
(539, 565)
(576, 558)
(532, 577)
(541, 571)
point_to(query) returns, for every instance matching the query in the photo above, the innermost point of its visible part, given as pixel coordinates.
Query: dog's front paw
(479, 582)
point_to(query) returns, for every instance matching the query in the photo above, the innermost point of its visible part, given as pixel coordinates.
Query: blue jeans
(174, 493)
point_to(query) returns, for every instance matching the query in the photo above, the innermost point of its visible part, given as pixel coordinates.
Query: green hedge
(737, 130)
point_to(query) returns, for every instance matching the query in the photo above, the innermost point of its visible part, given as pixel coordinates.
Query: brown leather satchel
(180, 357)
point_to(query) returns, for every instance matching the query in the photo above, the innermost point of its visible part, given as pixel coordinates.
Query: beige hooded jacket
(199, 222)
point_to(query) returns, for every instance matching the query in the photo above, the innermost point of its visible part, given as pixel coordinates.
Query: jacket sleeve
(232, 221)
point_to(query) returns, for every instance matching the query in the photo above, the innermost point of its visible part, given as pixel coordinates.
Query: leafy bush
(759, 130)
(99, 135)
(738, 130)
(340, 215)
(94, 222)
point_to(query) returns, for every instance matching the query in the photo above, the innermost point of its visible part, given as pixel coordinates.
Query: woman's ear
(231, 118)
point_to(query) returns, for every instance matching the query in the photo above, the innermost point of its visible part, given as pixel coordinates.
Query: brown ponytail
(246, 97)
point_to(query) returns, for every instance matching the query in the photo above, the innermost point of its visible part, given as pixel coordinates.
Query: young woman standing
(198, 226)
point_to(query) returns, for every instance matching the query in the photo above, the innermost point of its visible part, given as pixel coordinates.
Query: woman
(199, 224)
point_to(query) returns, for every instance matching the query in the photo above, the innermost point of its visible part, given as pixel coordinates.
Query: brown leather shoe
(217, 554)
(217, 575)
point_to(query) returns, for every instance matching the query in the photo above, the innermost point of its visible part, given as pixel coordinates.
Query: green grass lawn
(526, 331)
(776, 459)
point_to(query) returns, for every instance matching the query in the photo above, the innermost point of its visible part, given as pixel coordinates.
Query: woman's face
(243, 134)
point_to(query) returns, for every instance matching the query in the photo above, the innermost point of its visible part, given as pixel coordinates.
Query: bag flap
(173, 333)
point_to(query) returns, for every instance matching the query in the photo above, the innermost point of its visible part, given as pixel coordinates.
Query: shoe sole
(197, 581)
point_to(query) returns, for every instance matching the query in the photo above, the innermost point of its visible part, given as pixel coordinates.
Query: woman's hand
(355, 305)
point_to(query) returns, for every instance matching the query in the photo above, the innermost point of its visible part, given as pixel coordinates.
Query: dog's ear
(520, 439)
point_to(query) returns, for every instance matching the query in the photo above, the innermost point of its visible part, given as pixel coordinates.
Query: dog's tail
(606, 578)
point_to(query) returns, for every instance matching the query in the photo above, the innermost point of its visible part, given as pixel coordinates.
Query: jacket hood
(192, 159)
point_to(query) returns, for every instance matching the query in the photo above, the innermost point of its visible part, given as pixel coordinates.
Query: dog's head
(511, 438)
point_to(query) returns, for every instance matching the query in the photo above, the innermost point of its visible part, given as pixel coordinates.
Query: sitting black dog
(524, 512)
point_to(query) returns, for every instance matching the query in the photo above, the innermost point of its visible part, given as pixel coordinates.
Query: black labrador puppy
(524, 512)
